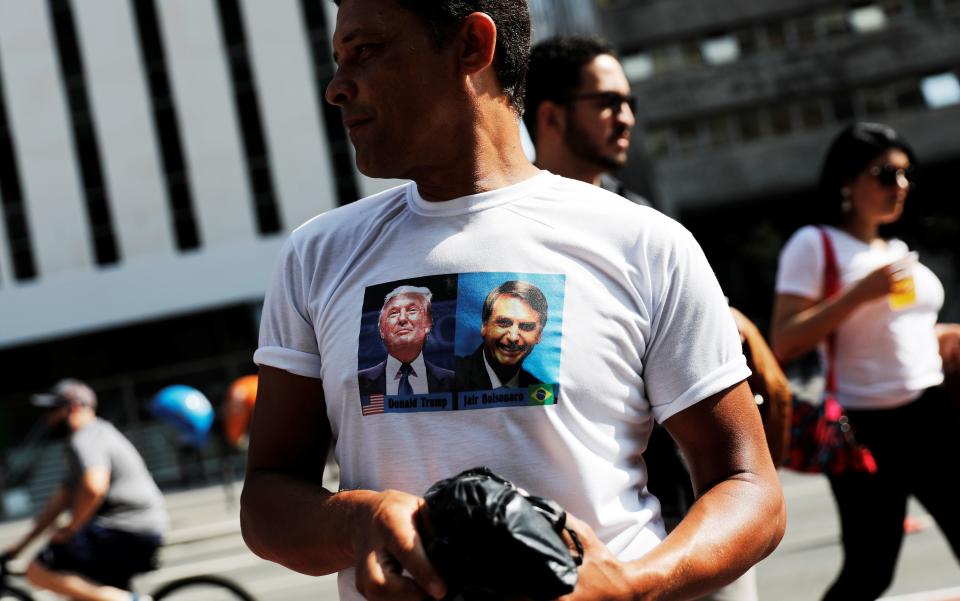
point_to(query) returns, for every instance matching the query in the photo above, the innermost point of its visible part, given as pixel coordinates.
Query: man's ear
(551, 117)
(479, 43)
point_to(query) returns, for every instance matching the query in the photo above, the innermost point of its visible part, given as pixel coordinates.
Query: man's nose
(340, 90)
(626, 115)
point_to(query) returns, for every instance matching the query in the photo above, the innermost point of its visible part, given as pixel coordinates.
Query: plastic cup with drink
(903, 293)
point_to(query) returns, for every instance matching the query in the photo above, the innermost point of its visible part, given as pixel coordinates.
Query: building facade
(740, 99)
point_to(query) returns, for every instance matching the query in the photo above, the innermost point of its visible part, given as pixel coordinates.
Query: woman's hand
(880, 282)
(948, 335)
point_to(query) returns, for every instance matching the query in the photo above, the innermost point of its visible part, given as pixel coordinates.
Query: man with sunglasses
(579, 111)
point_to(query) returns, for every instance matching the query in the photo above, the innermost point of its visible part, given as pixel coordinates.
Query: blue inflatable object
(186, 409)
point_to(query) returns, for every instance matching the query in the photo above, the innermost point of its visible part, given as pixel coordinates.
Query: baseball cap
(64, 393)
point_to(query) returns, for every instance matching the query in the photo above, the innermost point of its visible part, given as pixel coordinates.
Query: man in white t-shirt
(637, 329)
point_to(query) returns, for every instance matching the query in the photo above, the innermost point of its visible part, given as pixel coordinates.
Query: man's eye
(528, 326)
(504, 323)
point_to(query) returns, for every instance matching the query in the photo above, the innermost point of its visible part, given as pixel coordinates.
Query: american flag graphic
(373, 405)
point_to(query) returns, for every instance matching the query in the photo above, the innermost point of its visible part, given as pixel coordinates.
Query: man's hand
(392, 562)
(62, 535)
(601, 576)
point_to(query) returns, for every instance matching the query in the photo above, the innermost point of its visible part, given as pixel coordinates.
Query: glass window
(893, 8)
(747, 41)
(867, 18)
(908, 95)
(662, 59)
(842, 106)
(658, 142)
(923, 8)
(780, 121)
(690, 51)
(720, 130)
(874, 101)
(811, 114)
(687, 136)
(775, 35)
(806, 29)
(941, 90)
(832, 21)
(638, 66)
(748, 125)
(720, 50)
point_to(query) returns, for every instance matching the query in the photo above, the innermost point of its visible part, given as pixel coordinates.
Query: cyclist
(117, 514)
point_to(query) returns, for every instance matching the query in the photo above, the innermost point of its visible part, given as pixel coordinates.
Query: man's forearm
(730, 528)
(299, 524)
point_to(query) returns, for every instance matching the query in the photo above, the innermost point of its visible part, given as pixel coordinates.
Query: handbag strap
(831, 285)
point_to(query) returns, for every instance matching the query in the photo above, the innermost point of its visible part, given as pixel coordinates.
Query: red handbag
(821, 438)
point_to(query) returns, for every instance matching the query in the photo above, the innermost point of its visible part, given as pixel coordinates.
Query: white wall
(153, 279)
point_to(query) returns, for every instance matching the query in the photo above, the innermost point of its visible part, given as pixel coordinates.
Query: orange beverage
(904, 292)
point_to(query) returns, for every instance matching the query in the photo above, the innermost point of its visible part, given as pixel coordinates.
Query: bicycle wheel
(202, 588)
(10, 593)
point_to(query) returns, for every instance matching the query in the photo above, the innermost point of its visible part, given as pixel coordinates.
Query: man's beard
(584, 148)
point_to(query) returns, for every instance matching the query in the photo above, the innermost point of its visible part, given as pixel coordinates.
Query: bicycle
(202, 587)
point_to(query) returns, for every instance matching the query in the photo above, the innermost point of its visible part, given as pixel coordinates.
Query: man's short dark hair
(555, 69)
(525, 291)
(512, 18)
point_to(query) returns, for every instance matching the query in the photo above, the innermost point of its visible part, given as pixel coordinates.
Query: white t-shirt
(637, 327)
(884, 358)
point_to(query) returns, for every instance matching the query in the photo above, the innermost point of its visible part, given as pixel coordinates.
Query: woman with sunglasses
(886, 356)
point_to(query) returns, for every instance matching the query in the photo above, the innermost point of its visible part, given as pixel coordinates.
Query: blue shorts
(106, 556)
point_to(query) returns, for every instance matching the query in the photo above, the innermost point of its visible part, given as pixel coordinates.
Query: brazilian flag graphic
(541, 394)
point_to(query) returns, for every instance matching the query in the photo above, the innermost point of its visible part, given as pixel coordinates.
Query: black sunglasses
(608, 100)
(888, 175)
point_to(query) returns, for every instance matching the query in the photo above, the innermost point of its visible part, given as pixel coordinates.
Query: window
(867, 18)
(658, 142)
(811, 114)
(775, 35)
(662, 59)
(923, 8)
(831, 22)
(747, 41)
(720, 50)
(907, 95)
(638, 66)
(941, 90)
(893, 8)
(805, 28)
(687, 136)
(842, 106)
(874, 102)
(720, 130)
(690, 51)
(951, 8)
(748, 125)
(780, 121)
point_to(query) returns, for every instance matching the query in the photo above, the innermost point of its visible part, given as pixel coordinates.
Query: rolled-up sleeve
(288, 339)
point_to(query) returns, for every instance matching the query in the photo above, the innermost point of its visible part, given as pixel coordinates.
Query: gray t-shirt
(133, 503)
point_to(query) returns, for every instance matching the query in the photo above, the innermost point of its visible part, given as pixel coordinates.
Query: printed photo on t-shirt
(460, 342)
(509, 328)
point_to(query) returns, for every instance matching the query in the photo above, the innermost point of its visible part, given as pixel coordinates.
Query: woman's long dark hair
(848, 155)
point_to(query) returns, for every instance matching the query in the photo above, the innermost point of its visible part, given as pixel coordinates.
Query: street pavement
(205, 539)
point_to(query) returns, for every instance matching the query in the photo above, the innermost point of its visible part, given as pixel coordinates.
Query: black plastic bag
(490, 540)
